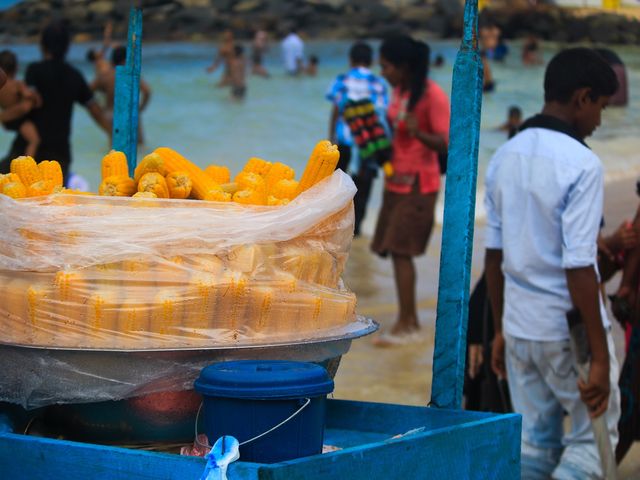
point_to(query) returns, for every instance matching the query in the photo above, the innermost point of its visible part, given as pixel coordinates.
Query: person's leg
(30, 133)
(405, 276)
(541, 413)
(345, 157)
(363, 182)
(580, 459)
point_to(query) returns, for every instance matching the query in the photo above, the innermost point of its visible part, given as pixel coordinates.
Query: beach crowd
(546, 259)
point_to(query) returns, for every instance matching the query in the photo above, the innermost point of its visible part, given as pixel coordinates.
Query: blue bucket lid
(263, 379)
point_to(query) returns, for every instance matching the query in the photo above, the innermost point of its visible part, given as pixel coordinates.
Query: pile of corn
(165, 173)
(247, 294)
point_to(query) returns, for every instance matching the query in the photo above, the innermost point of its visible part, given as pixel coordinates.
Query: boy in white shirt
(544, 195)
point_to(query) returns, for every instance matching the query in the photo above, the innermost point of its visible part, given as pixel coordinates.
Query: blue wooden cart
(376, 441)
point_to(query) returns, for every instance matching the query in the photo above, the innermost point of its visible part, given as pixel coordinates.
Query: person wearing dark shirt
(60, 86)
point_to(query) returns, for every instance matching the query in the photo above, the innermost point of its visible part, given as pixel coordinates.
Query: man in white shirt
(544, 195)
(293, 53)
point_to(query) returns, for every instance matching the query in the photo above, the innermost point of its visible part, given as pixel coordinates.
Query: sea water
(282, 117)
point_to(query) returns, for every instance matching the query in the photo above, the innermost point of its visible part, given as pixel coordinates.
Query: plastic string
(306, 403)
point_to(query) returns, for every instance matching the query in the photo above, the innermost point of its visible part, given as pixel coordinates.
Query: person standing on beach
(356, 88)
(293, 53)
(544, 200)
(224, 57)
(419, 116)
(60, 86)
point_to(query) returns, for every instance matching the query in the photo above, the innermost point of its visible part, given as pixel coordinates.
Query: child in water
(237, 71)
(13, 93)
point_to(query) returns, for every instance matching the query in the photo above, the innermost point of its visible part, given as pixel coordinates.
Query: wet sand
(402, 374)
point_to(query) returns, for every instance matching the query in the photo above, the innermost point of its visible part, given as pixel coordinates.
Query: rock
(245, 6)
(194, 3)
(101, 7)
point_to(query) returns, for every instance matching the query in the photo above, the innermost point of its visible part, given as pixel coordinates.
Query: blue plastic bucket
(247, 398)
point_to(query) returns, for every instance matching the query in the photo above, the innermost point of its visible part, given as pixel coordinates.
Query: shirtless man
(226, 54)
(106, 84)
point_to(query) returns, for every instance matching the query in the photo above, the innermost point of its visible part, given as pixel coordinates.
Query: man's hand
(412, 124)
(497, 356)
(475, 359)
(595, 393)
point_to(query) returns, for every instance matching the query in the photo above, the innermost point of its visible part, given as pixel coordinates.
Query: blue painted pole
(459, 214)
(127, 93)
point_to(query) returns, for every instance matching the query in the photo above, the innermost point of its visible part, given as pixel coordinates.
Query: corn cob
(238, 299)
(69, 191)
(279, 171)
(258, 166)
(251, 181)
(165, 312)
(276, 202)
(175, 162)
(218, 173)
(16, 327)
(114, 163)
(8, 177)
(230, 187)
(217, 195)
(39, 188)
(150, 163)
(14, 190)
(284, 189)
(42, 333)
(250, 197)
(154, 182)
(179, 184)
(102, 318)
(144, 195)
(321, 164)
(117, 186)
(51, 171)
(201, 304)
(27, 169)
(261, 300)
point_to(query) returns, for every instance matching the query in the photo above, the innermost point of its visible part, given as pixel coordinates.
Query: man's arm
(16, 111)
(584, 291)
(145, 93)
(98, 116)
(495, 291)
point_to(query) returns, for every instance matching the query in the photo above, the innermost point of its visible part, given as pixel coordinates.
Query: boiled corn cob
(321, 164)
(219, 174)
(251, 181)
(14, 190)
(275, 201)
(217, 195)
(27, 169)
(114, 163)
(154, 182)
(8, 177)
(250, 197)
(117, 186)
(284, 189)
(258, 166)
(39, 188)
(175, 162)
(51, 171)
(150, 163)
(279, 171)
(179, 184)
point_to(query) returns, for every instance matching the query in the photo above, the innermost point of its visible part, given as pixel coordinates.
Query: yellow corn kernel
(37, 189)
(150, 163)
(27, 169)
(179, 184)
(251, 181)
(154, 182)
(102, 317)
(238, 299)
(321, 164)
(175, 162)
(276, 202)
(250, 197)
(14, 190)
(218, 173)
(279, 171)
(217, 195)
(258, 166)
(117, 186)
(51, 171)
(114, 163)
(165, 312)
(284, 189)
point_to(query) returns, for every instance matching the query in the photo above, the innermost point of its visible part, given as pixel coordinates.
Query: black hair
(313, 59)
(610, 56)
(238, 50)
(91, 55)
(119, 55)
(515, 110)
(577, 68)
(404, 51)
(8, 62)
(361, 54)
(55, 39)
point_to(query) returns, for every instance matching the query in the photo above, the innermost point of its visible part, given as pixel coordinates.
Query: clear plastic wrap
(107, 273)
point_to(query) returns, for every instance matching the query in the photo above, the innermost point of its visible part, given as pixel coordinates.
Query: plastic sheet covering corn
(126, 273)
(106, 273)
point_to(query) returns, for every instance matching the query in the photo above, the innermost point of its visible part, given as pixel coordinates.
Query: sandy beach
(402, 374)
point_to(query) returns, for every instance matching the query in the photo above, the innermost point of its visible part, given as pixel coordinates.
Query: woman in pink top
(419, 115)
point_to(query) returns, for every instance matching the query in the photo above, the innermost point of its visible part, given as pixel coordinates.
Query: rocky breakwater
(205, 19)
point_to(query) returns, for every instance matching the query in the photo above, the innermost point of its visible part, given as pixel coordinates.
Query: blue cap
(264, 379)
